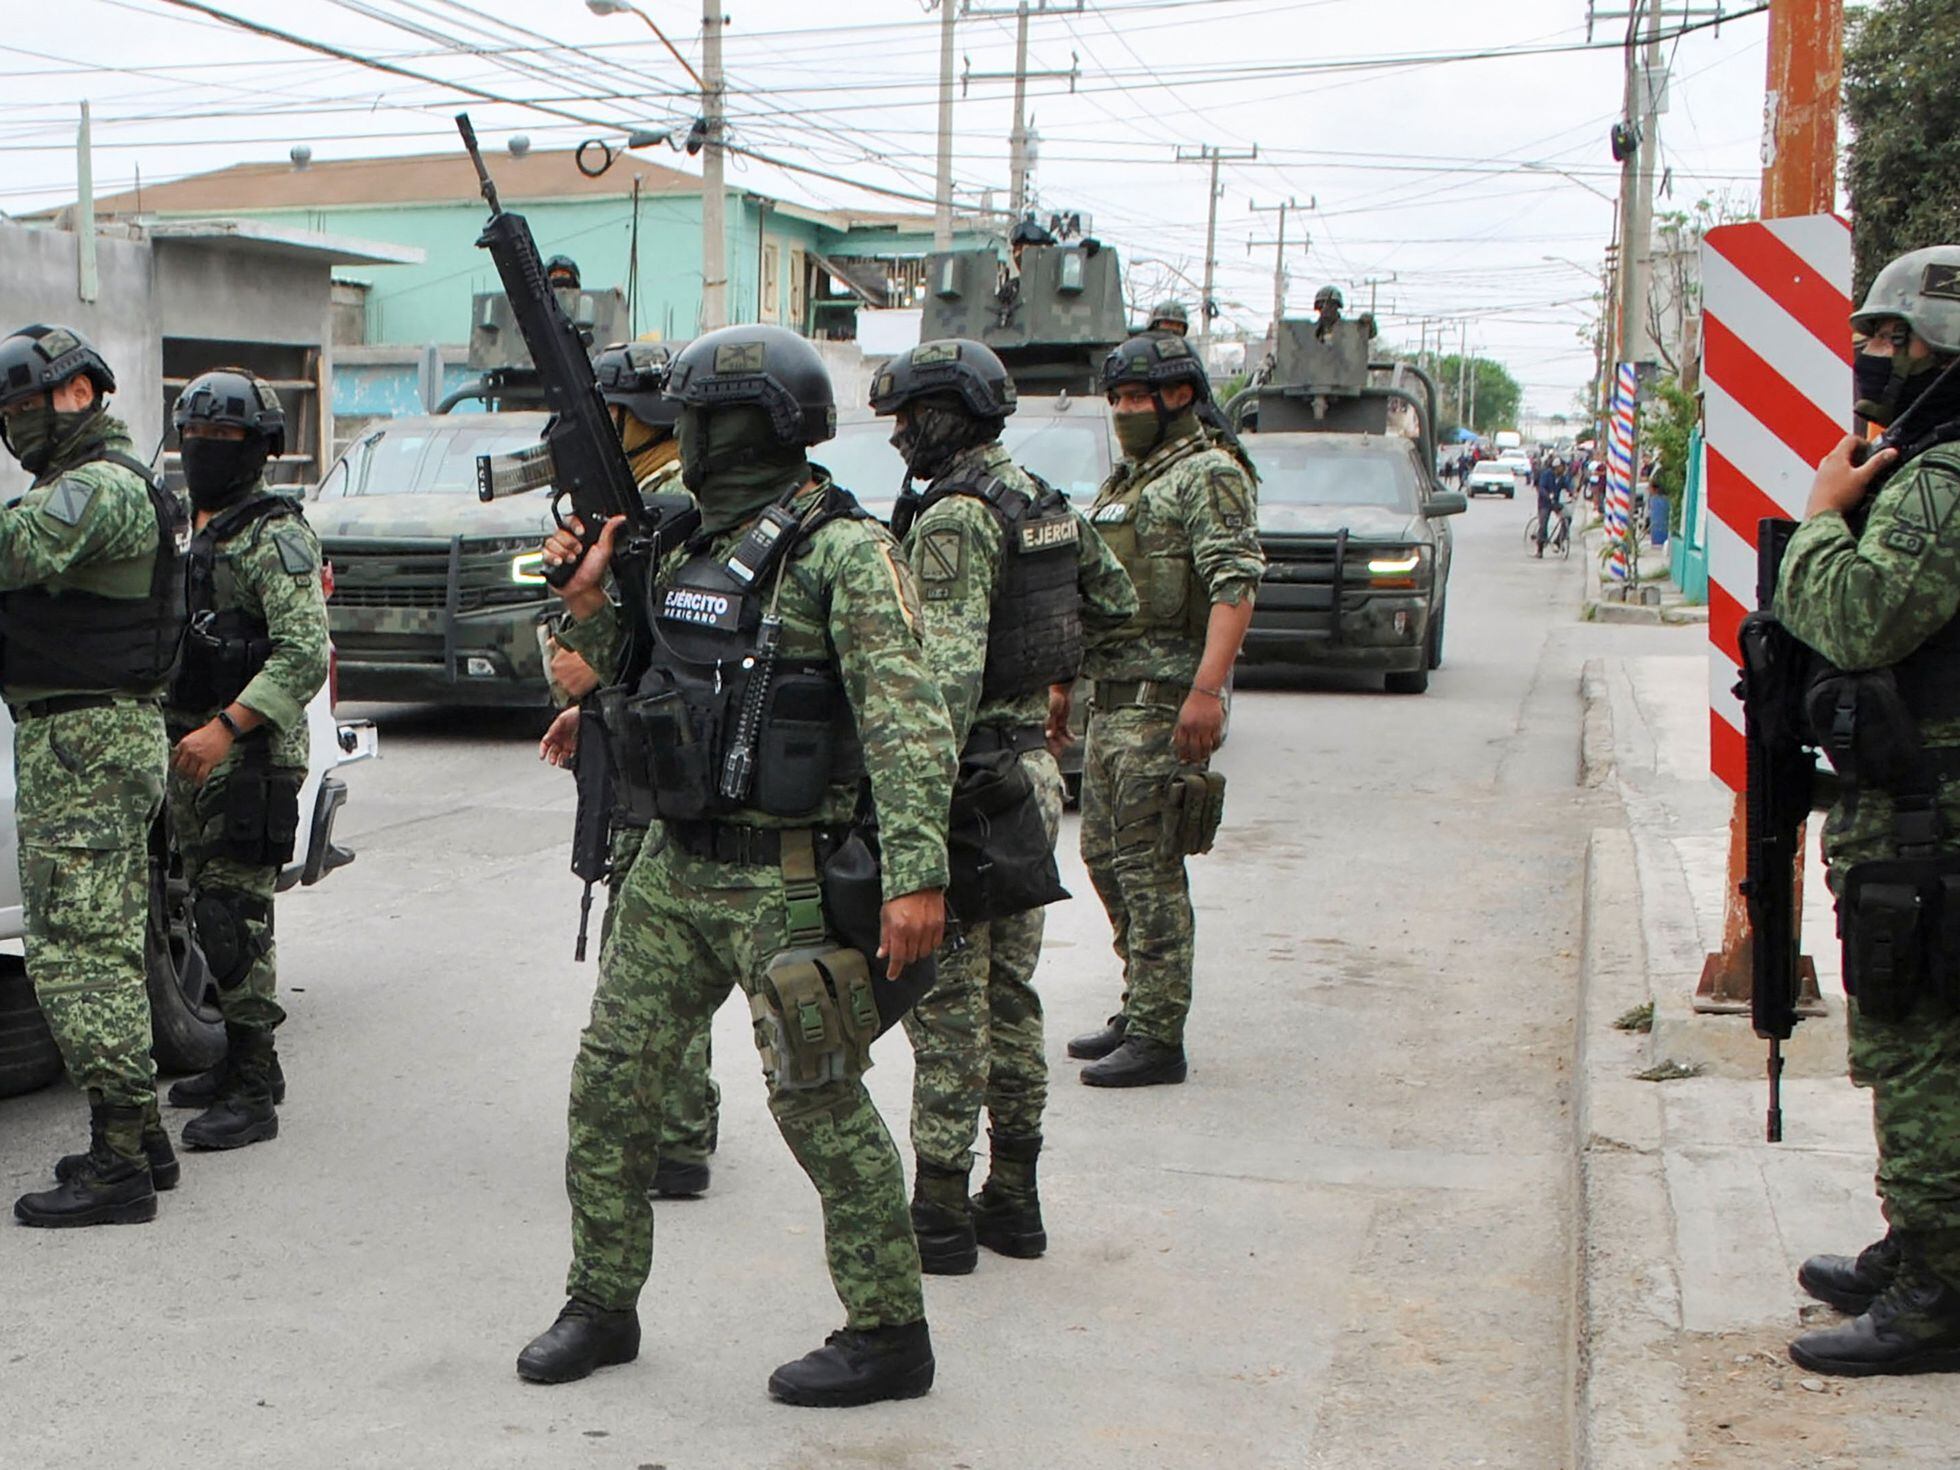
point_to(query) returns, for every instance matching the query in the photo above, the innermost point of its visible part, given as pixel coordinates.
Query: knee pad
(220, 920)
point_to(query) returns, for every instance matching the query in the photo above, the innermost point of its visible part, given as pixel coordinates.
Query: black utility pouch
(998, 855)
(1886, 935)
(628, 772)
(797, 746)
(261, 813)
(677, 756)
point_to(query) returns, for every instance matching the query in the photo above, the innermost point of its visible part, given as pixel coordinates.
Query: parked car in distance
(1357, 543)
(1492, 477)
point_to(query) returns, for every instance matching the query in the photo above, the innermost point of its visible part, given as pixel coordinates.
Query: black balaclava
(936, 431)
(734, 464)
(221, 472)
(1886, 387)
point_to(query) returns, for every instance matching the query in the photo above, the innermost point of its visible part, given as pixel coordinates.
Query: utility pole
(1639, 144)
(1207, 308)
(1018, 140)
(942, 194)
(714, 239)
(1373, 283)
(1462, 368)
(1279, 254)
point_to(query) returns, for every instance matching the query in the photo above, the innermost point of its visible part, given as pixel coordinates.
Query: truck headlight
(527, 566)
(1395, 566)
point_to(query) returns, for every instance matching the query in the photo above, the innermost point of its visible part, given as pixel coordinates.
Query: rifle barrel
(468, 130)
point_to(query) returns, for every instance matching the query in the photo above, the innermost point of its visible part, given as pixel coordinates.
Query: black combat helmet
(1155, 362)
(233, 397)
(956, 366)
(563, 263)
(39, 359)
(770, 367)
(633, 376)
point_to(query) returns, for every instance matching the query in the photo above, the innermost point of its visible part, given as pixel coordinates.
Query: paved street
(1341, 1244)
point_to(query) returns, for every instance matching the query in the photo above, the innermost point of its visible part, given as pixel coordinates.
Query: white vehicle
(188, 1033)
(1493, 477)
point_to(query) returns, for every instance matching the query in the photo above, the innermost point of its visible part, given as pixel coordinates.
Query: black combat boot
(112, 1186)
(583, 1338)
(1138, 1062)
(1913, 1328)
(1852, 1283)
(942, 1222)
(680, 1178)
(164, 1168)
(204, 1089)
(1007, 1210)
(244, 1112)
(1093, 1044)
(859, 1366)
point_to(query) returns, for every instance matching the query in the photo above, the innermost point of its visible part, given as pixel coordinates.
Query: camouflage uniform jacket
(1196, 520)
(962, 545)
(270, 570)
(87, 526)
(849, 598)
(1866, 602)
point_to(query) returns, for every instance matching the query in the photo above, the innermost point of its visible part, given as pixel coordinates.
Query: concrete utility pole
(1018, 151)
(942, 209)
(1207, 308)
(714, 238)
(1462, 367)
(1800, 131)
(1373, 283)
(1279, 254)
(1645, 78)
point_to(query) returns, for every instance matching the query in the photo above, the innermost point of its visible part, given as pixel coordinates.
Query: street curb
(1627, 1389)
(1595, 726)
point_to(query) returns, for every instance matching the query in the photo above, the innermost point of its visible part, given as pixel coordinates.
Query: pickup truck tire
(29, 1059)
(187, 1031)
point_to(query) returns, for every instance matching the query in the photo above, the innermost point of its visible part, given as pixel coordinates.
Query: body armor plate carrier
(224, 648)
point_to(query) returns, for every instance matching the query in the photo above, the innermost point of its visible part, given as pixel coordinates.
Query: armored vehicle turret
(1053, 318)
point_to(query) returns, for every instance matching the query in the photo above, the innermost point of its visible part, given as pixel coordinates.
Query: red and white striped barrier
(1620, 470)
(1776, 378)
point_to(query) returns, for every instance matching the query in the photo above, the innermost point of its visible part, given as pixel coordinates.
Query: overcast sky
(1457, 178)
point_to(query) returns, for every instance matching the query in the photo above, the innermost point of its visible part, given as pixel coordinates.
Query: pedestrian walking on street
(92, 614)
(1012, 582)
(783, 701)
(1182, 517)
(255, 656)
(1871, 581)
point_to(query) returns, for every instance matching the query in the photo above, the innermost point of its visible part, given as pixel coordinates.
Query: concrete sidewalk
(1692, 1227)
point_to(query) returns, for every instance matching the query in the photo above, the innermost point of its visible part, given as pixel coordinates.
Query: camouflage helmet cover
(1922, 288)
(952, 365)
(1328, 296)
(1170, 311)
(37, 359)
(633, 376)
(767, 366)
(1155, 362)
(235, 398)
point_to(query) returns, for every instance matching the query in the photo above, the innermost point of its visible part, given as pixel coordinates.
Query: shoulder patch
(1230, 504)
(942, 553)
(295, 551)
(1905, 539)
(68, 500)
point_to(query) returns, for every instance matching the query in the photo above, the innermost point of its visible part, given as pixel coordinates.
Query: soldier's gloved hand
(1840, 484)
(1056, 730)
(910, 928)
(585, 590)
(560, 741)
(572, 673)
(198, 753)
(1200, 727)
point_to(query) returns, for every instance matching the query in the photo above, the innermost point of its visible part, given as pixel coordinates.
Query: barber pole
(1776, 374)
(1619, 471)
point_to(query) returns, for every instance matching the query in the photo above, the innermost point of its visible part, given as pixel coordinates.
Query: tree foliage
(1497, 396)
(1901, 63)
(1667, 421)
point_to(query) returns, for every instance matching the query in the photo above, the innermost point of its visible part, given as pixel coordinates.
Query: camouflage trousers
(690, 1115)
(90, 783)
(684, 933)
(976, 1036)
(1127, 764)
(197, 817)
(1913, 1070)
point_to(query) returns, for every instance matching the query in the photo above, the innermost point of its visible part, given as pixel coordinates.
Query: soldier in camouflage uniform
(792, 605)
(1181, 515)
(1874, 586)
(632, 376)
(255, 656)
(1001, 625)
(1169, 320)
(91, 610)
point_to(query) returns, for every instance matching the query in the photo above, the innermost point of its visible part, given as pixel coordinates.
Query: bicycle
(1559, 541)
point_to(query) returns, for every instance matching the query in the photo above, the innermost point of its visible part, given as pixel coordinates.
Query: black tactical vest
(224, 648)
(67, 638)
(1034, 632)
(727, 722)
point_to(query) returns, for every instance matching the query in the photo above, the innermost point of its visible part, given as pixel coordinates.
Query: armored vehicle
(1052, 312)
(505, 377)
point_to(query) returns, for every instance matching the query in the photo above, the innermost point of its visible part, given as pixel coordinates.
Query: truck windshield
(1321, 469)
(1073, 455)
(421, 461)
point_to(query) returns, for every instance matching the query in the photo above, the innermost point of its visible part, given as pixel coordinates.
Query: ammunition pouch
(815, 1016)
(1000, 859)
(1194, 807)
(261, 809)
(223, 651)
(1862, 724)
(1899, 920)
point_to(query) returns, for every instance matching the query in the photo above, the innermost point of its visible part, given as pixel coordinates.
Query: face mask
(731, 460)
(1140, 433)
(41, 436)
(221, 472)
(933, 436)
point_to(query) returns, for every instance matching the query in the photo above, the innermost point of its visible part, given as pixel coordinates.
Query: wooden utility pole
(1800, 128)
(1208, 307)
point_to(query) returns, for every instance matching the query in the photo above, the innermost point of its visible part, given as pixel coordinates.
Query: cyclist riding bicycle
(1551, 496)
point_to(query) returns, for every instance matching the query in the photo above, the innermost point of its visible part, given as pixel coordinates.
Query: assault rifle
(1782, 782)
